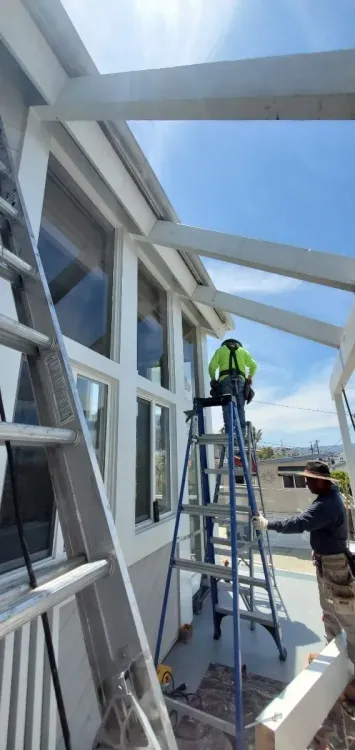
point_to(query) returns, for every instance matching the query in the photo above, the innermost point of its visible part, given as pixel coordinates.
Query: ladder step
(36, 601)
(213, 439)
(217, 571)
(11, 266)
(28, 434)
(244, 614)
(226, 548)
(7, 209)
(213, 510)
(17, 336)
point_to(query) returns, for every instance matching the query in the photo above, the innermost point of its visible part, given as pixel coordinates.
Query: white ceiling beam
(317, 86)
(345, 361)
(286, 260)
(274, 317)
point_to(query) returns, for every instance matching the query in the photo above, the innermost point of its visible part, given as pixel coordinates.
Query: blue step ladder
(233, 514)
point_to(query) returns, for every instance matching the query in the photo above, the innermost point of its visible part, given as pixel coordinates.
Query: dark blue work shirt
(326, 521)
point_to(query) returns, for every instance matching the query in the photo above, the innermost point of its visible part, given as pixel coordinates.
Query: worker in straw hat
(326, 521)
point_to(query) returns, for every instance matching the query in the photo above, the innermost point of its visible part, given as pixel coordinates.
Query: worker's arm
(214, 364)
(320, 514)
(250, 362)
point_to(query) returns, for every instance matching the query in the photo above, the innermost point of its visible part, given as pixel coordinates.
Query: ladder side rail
(251, 530)
(238, 698)
(206, 500)
(173, 546)
(219, 476)
(259, 536)
(255, 458)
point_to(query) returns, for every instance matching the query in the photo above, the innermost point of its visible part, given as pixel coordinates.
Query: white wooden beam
(306, 702)
(345, 361)
(318, 86)
(298, 325)
(346, 438)
(286, 260)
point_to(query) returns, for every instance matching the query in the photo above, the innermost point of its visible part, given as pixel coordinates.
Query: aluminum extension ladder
(242, 585)
(133, 712)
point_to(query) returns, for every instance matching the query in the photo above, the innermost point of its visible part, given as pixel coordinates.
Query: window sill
(149, 524)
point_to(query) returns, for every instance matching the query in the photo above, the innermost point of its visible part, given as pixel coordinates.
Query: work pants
(234, 387)
(336, 590)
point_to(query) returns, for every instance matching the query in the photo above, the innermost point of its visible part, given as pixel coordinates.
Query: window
(93, 397)
(292, 481)
(152, 329)
(143, 461)
(34, 488)
(77, 257)
(162, 459)
(190, 357)
(152, 459)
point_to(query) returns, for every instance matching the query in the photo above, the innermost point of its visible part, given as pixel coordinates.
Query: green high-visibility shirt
(220, 361)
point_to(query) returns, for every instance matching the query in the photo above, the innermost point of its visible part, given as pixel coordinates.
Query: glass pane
(143, 463)
(288, 481)
(162, 458)
(152, 329)
(93, 397)
(34, 488)
(300, 482)
(190, 357)
(78, 262)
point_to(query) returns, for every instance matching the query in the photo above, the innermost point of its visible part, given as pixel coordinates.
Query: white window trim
(149, 523)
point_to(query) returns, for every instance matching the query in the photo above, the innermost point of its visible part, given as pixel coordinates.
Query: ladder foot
(274, 631)
(217, 626)
(283, 654)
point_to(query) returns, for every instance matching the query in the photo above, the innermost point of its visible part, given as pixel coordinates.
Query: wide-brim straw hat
(317, 470)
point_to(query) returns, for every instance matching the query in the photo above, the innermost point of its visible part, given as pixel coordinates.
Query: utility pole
(316, 443)
(312, 449)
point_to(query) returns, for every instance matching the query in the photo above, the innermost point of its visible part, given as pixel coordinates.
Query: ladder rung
(28, 434)
(213, 439)
(223, 470)
(17, 336)
(13, 263)
(213, 510)
(36, 601)
(216, 571)
(226, 548)
(45, 573)
(7, 209)
(244, 614)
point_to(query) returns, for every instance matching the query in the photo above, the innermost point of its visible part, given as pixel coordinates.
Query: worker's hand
(260, 523)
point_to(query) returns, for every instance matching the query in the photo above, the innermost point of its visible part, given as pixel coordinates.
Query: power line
(289, 406)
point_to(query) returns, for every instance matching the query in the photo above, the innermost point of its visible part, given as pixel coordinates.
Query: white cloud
(236, 279)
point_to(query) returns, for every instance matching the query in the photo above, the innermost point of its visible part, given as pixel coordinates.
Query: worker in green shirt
(236, 367)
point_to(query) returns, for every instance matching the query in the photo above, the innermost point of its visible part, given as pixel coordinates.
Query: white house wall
(24, 677)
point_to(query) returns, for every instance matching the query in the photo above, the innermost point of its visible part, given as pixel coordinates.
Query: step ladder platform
(256, 617)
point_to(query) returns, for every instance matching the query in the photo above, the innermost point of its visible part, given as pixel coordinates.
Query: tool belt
(337, 578)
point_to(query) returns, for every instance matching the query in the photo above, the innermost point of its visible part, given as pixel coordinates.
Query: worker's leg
(226, 389)
(331, 624)
(240, 394)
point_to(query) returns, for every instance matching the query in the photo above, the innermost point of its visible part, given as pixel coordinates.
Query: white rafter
(318, 267)
(317, 86)
(298, 325)
(345, 362)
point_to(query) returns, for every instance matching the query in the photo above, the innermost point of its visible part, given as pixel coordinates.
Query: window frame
(153, 402)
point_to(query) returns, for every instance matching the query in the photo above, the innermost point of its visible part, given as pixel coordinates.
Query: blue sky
(280, 181)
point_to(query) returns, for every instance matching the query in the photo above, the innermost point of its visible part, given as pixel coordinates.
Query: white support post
(283, 320)
(286, 260)
(345, 434)
(345, 362)
(317, 86)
